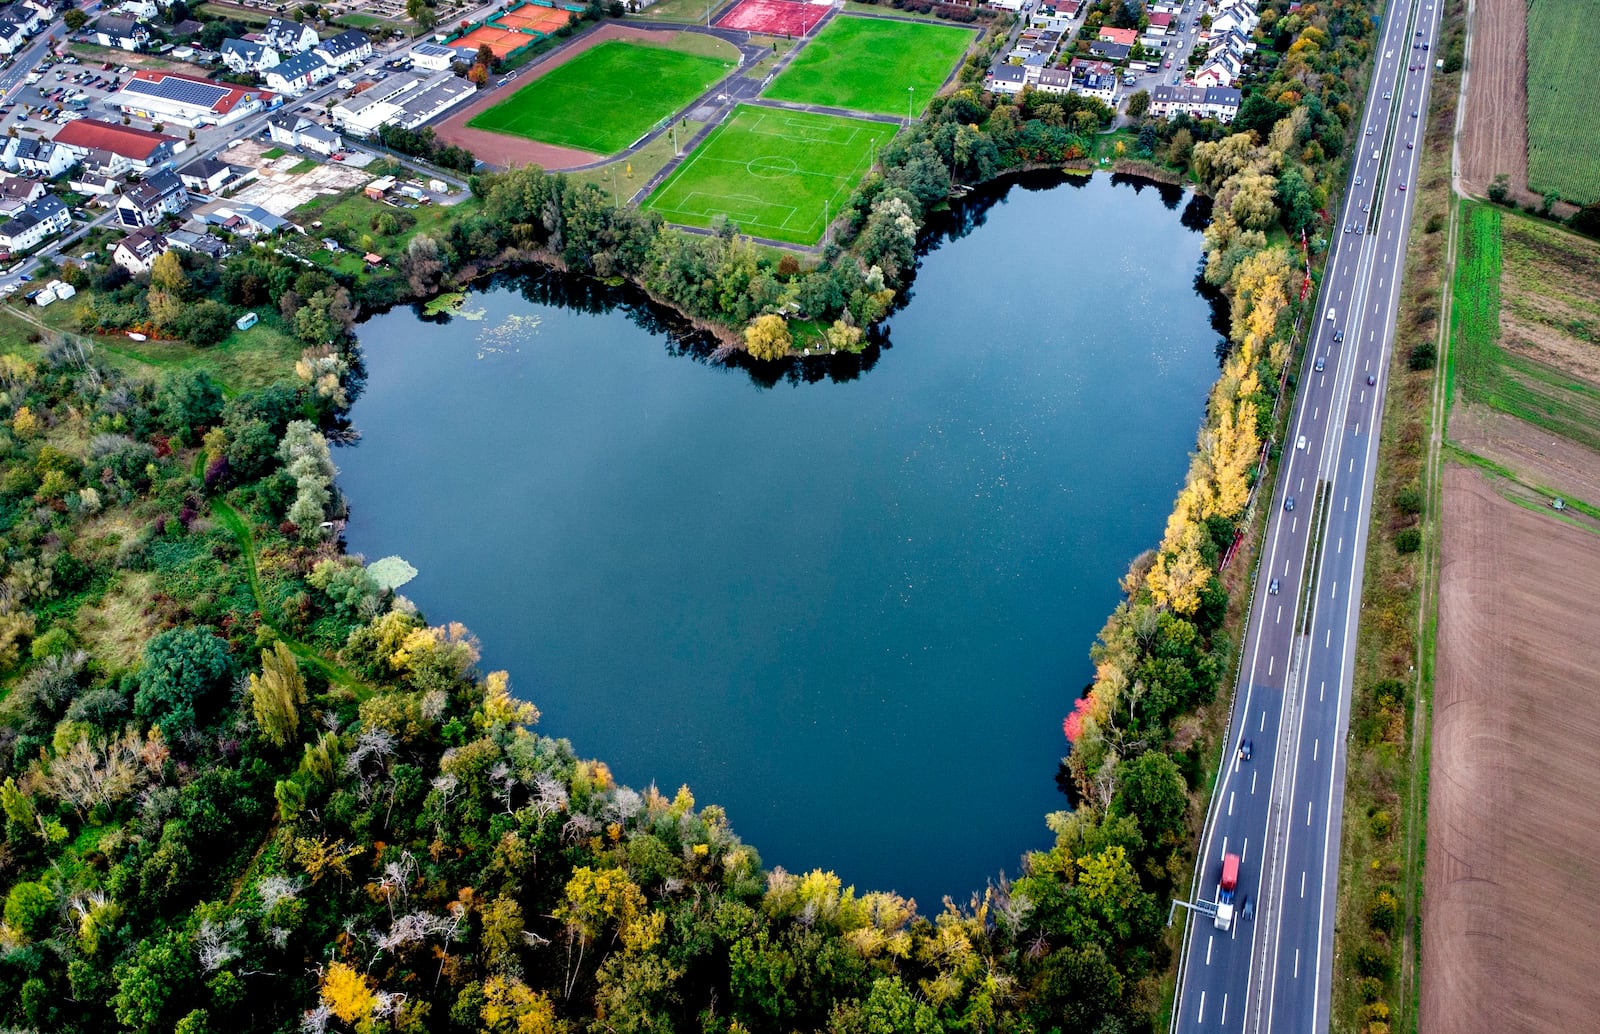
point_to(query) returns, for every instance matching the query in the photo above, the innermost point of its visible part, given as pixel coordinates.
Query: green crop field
(1563, 132)
(606, 98)
(1510, 253)
(872, 64)
(773, 173)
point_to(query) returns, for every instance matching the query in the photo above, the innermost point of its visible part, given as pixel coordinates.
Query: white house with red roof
(141, 149)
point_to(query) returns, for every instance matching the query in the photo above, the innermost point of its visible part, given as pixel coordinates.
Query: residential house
(187, 28)
(1160, 24)
(36, 222)
(91, 177)
(298, 74)
(141, 149)
(208, 175)
(145, 10)
(1122, 36)
(1006, 5)
(1095, 85)
(292, 129)
(124, 33)
(1196, 102)
(1005, 78)
(44, 157)
(1110, 51)
(348, 48)
(287, 37)
(1082, 66)
(16, 192)
(1239, 14)
(248, 56)
(138, 251)
(12, 38)
(1032, 65)
(146, 203)
(27, 18)
(1054, 80)
(199, 243)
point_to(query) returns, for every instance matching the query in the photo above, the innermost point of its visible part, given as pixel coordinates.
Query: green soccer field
(606, 98)
(773, 173)
(867, 64)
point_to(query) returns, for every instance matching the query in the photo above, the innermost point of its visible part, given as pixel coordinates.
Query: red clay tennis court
(545, 20)
(501, 41)
(774, 17)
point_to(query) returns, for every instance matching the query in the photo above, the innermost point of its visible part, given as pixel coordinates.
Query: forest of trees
(246, 786)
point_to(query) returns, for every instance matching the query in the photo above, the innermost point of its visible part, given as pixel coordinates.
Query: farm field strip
(1563, 133)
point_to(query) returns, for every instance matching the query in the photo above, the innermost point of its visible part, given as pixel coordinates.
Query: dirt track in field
(1494, 126)
(505, 150)
(1511, 928)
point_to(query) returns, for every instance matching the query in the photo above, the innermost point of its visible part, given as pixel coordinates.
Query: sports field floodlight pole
(911, 92)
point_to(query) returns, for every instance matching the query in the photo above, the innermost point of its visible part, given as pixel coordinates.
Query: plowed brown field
(1494, 123)
(1511, 925)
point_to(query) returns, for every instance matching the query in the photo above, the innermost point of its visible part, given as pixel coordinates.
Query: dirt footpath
(503, 150)
(1494, 125)
(1511, 924)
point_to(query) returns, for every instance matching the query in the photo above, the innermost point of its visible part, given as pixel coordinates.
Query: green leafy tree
(184, 671)
(30, 907)
(188, 400)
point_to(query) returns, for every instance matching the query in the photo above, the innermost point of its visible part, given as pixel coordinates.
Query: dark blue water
(852, 611)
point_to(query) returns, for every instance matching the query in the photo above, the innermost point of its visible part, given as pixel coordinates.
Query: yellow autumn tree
(24, 424)
(347, 993)
(499, 708)
(767, 337)
(511, 1007)
(277, 694)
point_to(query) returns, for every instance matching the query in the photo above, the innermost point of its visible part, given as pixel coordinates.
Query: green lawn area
(771, 172)
(606, 98)
(691, 12)
(273, 154)
(306, 165)
(872, 65)
(1563, 133)
(635, 170)
(357, 212)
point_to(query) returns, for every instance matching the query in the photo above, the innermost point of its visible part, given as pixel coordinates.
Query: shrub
(29, 908)
(1423, 356)
(1407, 540)
(1409, 499)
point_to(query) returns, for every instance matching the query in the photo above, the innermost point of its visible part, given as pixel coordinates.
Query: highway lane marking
(1209, 940)
(1314, 745)
(1230, 799)
(1263, 713)
(1327, 640)
(1335, 593)
(1201, 1017)
(1279, 619)
(1346, 504)
(1315, 413)
(1269, 667)
(1302, 883)
(1302, 487)
(1340, 547)
(1352, 469)
(1224, 1020)
(1308, 813)
(1244, 851)
(1322, 688)
(1253, 780)
(1294, 525)
(1297, 963)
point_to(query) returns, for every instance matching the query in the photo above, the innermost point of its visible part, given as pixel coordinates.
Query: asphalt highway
(1280, 811)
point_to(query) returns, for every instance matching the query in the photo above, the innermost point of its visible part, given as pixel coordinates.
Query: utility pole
(911, 92)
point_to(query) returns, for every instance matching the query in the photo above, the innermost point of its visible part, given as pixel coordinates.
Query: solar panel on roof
(184, 91)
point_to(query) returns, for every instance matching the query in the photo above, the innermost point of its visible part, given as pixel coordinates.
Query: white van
(1374, 154)
(1301, 443)
(1330, 314)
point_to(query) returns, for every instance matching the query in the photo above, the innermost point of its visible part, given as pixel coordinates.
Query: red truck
(1225, 888)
